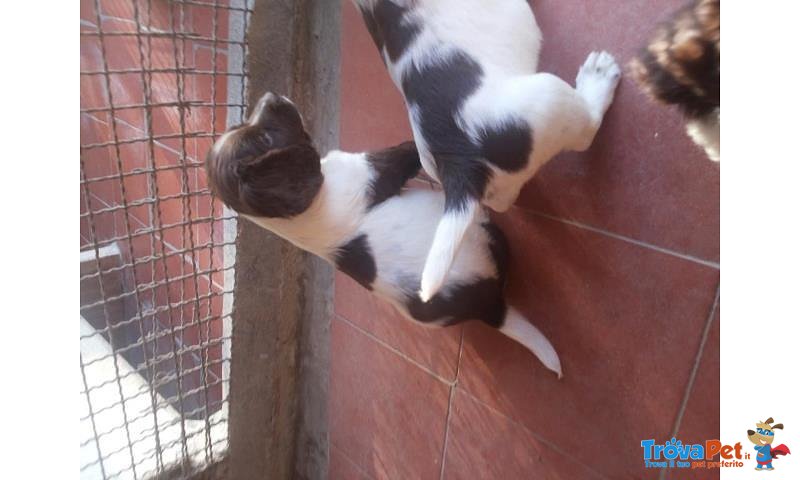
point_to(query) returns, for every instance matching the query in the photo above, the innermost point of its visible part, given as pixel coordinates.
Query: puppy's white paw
(597, 79)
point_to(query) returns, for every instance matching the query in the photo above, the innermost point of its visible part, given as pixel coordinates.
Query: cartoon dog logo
(763, 438)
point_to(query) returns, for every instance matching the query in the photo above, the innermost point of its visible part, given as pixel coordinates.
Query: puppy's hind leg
(520, 329)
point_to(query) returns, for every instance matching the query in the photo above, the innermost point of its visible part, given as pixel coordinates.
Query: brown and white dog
(351, 210)
(680, 66)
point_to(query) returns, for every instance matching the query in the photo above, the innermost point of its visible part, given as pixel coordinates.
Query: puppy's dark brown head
(266, 167)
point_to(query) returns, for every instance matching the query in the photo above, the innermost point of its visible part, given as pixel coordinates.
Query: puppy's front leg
(561, 117)
(597, 79)
(390, 169)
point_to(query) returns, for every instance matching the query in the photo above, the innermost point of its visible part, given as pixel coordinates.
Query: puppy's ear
(769, 420)
(779, 426)
(281, 183)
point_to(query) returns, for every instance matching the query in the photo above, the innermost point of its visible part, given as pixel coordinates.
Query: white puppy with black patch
(351, 210)
(483, 120)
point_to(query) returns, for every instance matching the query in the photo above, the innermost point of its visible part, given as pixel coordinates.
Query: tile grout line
(450, 405)
(623, 238)
(537, 436)
(393, 350)
(693, 374)
(696, 366)
(350, 461)
(616, 236)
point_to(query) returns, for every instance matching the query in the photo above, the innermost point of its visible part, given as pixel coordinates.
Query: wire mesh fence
(160, 80)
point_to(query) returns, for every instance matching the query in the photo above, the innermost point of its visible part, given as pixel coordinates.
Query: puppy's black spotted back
(390, 28)
(482, 300)
(355, 259)
(437, 91)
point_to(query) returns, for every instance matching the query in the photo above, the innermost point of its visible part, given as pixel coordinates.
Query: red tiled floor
(434, 347)
(202, 84)
(373, 114)
(342, 468)
(626, 318)
(203, 20)
(701, 420)
(484, 444)
(104, 228)
(117, 9)
(98, 126)
(137, 189)
(93, 88)
(200, 147)
(379, 414)
(626, 322)
(642, 177)
(87, 11)
(102, 194)
(167, 123)
(126, 90)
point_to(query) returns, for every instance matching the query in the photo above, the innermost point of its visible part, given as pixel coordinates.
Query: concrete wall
(282, 301)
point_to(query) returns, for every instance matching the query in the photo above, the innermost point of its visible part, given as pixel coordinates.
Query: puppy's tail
(464, 180)
(520, 329)
(446, 241)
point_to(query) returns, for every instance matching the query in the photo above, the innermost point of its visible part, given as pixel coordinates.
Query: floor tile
(626, 322)
(484, 444)
(373, 114)
(700, 422)
(386, 414)
(342, 468)
(434, 347)
(642, 177)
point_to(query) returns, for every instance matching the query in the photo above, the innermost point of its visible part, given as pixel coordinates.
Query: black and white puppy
(483, 120)
(351, 210)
